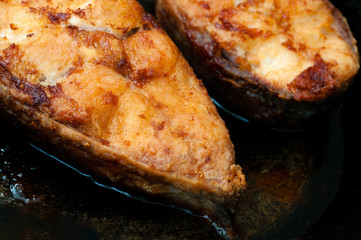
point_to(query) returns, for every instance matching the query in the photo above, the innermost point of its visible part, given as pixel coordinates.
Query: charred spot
(51, 13)
(13, 26)
(302, 47)
(80, 12)
(81, 36)
(30, 35)
(57, 18)
(138, 77)
(157, 126)
(113, 62)
(227, 13)
(180, 133)
(141, 76)
(35, 92)
(72, 30)
(160, 126)
(77, 67)
(315, 82)
(204, 5)
(110, 98)
(41, 11)
(56, 91)
(10, 53)
(166, 150)
(36, 10)
(289, 45)
(226, 24)
(241, 29)
(96, 39)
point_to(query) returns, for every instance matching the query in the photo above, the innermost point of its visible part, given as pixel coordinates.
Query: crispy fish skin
(103, 83)
(279, 62)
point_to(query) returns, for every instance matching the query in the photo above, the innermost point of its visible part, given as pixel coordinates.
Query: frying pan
(301, 185)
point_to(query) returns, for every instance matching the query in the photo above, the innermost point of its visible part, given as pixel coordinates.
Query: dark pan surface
(301, 185)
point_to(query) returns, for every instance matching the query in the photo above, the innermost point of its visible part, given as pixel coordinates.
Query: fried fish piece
(102, 82)
(283, 63)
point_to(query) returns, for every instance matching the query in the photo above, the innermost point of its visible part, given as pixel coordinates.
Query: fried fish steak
(283, 63)
(102, 82)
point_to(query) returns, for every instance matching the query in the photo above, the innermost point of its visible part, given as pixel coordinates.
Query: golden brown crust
(107, 86)
(275, 55)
